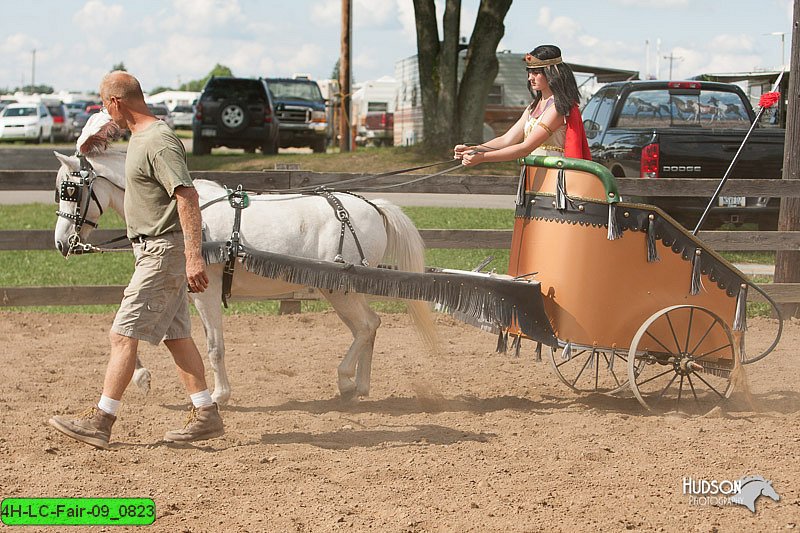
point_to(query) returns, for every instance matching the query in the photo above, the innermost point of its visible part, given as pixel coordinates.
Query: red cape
(575, 143)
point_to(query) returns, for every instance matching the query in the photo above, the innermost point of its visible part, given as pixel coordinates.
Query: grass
(48, 268)
(364, 160)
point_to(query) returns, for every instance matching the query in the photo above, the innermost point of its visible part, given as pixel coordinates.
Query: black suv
(301, 110)
(237, 113)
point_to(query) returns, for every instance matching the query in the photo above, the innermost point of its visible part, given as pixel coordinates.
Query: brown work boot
(93, 427)
(203, 423)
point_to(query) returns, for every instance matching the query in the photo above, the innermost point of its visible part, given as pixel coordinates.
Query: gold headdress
(532, 61)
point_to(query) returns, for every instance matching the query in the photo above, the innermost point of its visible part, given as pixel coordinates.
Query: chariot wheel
(682, 358)
(591, 369)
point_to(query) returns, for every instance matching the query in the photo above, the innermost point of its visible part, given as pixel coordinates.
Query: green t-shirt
(154, 167)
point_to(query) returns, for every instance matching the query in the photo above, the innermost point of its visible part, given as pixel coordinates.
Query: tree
(36, 89)
(197, 85)
(119, 66)
(160, 89)
(451, 111)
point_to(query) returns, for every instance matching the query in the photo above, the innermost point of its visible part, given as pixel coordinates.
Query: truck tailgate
(707, 154)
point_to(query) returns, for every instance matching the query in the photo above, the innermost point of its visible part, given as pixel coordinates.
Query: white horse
(298, 225)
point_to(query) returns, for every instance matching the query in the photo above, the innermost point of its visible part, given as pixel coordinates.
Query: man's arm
(191, 223)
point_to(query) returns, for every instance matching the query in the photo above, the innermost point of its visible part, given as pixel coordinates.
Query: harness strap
(344, 217)
(238, 200)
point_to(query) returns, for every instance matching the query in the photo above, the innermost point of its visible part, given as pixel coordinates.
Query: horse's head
(81, 198)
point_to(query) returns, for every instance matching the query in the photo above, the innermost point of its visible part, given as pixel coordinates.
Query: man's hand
(196, 273)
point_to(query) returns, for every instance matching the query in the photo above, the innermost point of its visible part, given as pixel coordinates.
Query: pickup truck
(300, 107)
(377, 128)
(685, 129)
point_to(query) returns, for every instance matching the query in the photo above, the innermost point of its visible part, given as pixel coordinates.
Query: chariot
(634, 300)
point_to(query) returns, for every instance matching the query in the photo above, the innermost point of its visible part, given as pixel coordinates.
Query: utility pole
(33, 70)
(672, 57)
(787, 262)
(783, 46)
(345, 135)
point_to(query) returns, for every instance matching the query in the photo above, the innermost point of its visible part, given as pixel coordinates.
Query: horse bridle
(81, 193)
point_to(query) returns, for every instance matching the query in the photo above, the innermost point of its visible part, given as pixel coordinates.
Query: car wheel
(39, 138)
(52, 138)
(200, 147)
(318, 146)
(250, 149)
(233, 116)
(270, 148)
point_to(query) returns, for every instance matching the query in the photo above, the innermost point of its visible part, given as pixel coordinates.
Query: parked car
(182, 117)
(62, 126)
(237, 113)
(162, 113)
(78, 121)
(26, 122)
(685, 129)
(301, 111)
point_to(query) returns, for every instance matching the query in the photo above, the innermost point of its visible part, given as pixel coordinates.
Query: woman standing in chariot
(550, 125)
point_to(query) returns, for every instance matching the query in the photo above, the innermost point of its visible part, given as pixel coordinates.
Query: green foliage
(160, 89)
(197, 85)
(34, 89)
(119, 66)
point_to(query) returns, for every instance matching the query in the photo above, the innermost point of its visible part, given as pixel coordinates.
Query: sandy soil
(465, 440)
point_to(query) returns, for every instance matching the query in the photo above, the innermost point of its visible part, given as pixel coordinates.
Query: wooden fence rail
(282, 180)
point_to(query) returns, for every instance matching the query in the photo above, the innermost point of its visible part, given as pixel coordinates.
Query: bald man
(162, 215)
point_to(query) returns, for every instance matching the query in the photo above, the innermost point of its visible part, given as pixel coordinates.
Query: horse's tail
(404, 245)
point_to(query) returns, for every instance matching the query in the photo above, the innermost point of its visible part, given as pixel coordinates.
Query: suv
(237, 113)
(301, 110)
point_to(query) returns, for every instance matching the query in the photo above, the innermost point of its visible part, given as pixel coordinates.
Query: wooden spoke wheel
(682, 358)
(590, 369)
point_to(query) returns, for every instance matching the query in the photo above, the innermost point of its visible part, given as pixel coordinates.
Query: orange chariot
(634, 300)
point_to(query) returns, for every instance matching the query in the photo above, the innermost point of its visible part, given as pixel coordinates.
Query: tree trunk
(787, 262)
(480, 69)
(437, 63)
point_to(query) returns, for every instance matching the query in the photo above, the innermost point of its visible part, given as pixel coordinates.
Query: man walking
(162, 215)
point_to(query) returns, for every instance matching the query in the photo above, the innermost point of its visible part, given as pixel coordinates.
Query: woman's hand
(472, 158)
(460, 150)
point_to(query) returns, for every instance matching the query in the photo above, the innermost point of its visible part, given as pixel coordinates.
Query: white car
(182, 116)
(26, 122)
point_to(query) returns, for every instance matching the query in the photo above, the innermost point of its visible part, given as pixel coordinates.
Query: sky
(167, 42)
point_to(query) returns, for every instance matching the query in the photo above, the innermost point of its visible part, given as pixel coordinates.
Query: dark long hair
(559, 77)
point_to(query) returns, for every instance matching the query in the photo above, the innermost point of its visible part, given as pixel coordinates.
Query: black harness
(239, 199)
(70, 191)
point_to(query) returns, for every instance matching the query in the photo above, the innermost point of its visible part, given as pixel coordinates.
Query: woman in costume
(550, 125)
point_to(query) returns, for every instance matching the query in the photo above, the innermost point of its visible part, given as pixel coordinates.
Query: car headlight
(319, 116)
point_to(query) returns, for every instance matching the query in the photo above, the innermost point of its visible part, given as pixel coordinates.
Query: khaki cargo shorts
(155, 305)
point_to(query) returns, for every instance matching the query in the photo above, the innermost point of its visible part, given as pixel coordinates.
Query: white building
(173, 98)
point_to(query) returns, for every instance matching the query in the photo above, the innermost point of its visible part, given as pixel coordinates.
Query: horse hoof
(221, 399)
(348, 396)
(141, 377)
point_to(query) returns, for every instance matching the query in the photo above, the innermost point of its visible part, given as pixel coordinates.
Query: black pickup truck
(685, 129)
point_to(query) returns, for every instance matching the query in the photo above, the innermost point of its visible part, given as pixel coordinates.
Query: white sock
(201, 399)
(108, 405)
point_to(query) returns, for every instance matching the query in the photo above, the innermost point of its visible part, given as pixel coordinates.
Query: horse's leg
(209, 307)
(354, 311)
(141, 376)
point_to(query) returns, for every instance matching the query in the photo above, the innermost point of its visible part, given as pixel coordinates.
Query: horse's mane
(97, 134)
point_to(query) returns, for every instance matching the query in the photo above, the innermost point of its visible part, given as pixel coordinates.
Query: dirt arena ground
(465, 440)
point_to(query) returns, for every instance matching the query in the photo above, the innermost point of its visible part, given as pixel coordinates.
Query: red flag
(768, 100)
